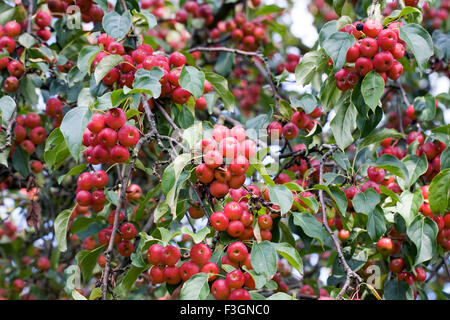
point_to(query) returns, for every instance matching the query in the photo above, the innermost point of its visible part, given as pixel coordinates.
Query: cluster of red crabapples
(143, 57)
(299, 120)
(375, 49)
(245, 34)
(225, 159)
(108, 138)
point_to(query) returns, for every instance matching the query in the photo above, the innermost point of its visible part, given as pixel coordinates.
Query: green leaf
(307, 102)
(309, 65)
(27, 40)
(280, 296)
(87, 259)
(73, 172)
(196, 288)
(150, 19)
(422, 232)
(77, 296)
(365, 202)
(264, 259)
(290, 254)
(336, 46)
(116, 25)
(438, 196)
(397, 290)
(329, 93)
(73, 126)
(127, 282)
(393, 165)
(196, 237)
(419, 42)
(268, 9)
(147, 82)
(376, 225)
(372, 89)
(61, 224)
(425, 107)
(310, 226)
(86, 57)
(281, 196)
(441, 44)
(343, 124)
(220, 85)
(397, 14)
(415, 166)
(378, 137)
(55, 151)
(7, 107)
(408, 205)
(105, 65)
(21, 160)
(192, 80)
(445, 159)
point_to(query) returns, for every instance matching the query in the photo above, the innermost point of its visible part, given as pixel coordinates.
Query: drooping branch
(350, 273)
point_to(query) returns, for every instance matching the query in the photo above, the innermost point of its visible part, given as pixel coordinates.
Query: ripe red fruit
(180, 95)
(154, 253)
(397, 265)
(18, 285)
(239, 294)
(111, 77)
(112, 215)
(172, 275)
(235, 279)
(204, 173)
(387, 39)
(156, 275)
(200, 253)
(128, 231)
(177, 59)
(233, 210)
(43, 264)
(239, 165)
(410, 112)
(213, 159)
(376, 174)
(407, 277)
(11, 84)
(15, 68)
(119, 154)
(265, 222)
(237, 252)
(372, 28)
(115, 48)
(411, 3)
(28, 146)
(421, 275)
(383, 61)
(99, 179)
(248, 148)
(300, 119)
(7, 43)
(83, 198)
(97, 122)
(414, 135)
(290, 131)
(235, 228)
(12, 29)
(425, 209)
(43, 19)
(370, 184)
(353, 53)
(228, 147)
(343, 235)
(36, 166)
(211, 268)
(188, 269)
(170, 255)
(398, 51)
(219, 221)
(220, 289)
(115, 118)
(274, 130)
(38, 135)
(128, 136)
(218, 189)
(32, 120)
(396, 70)
(430, 150)
(385, 246)
(368, 47)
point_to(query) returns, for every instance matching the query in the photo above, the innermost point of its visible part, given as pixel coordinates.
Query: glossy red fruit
(397, 265)
(220, 289)
(154, 253)
(237, 251)
(170, 255)
(200, 253)
(385, 246)
(219, 221)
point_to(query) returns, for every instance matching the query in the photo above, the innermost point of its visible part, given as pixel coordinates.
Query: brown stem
(350, 273)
